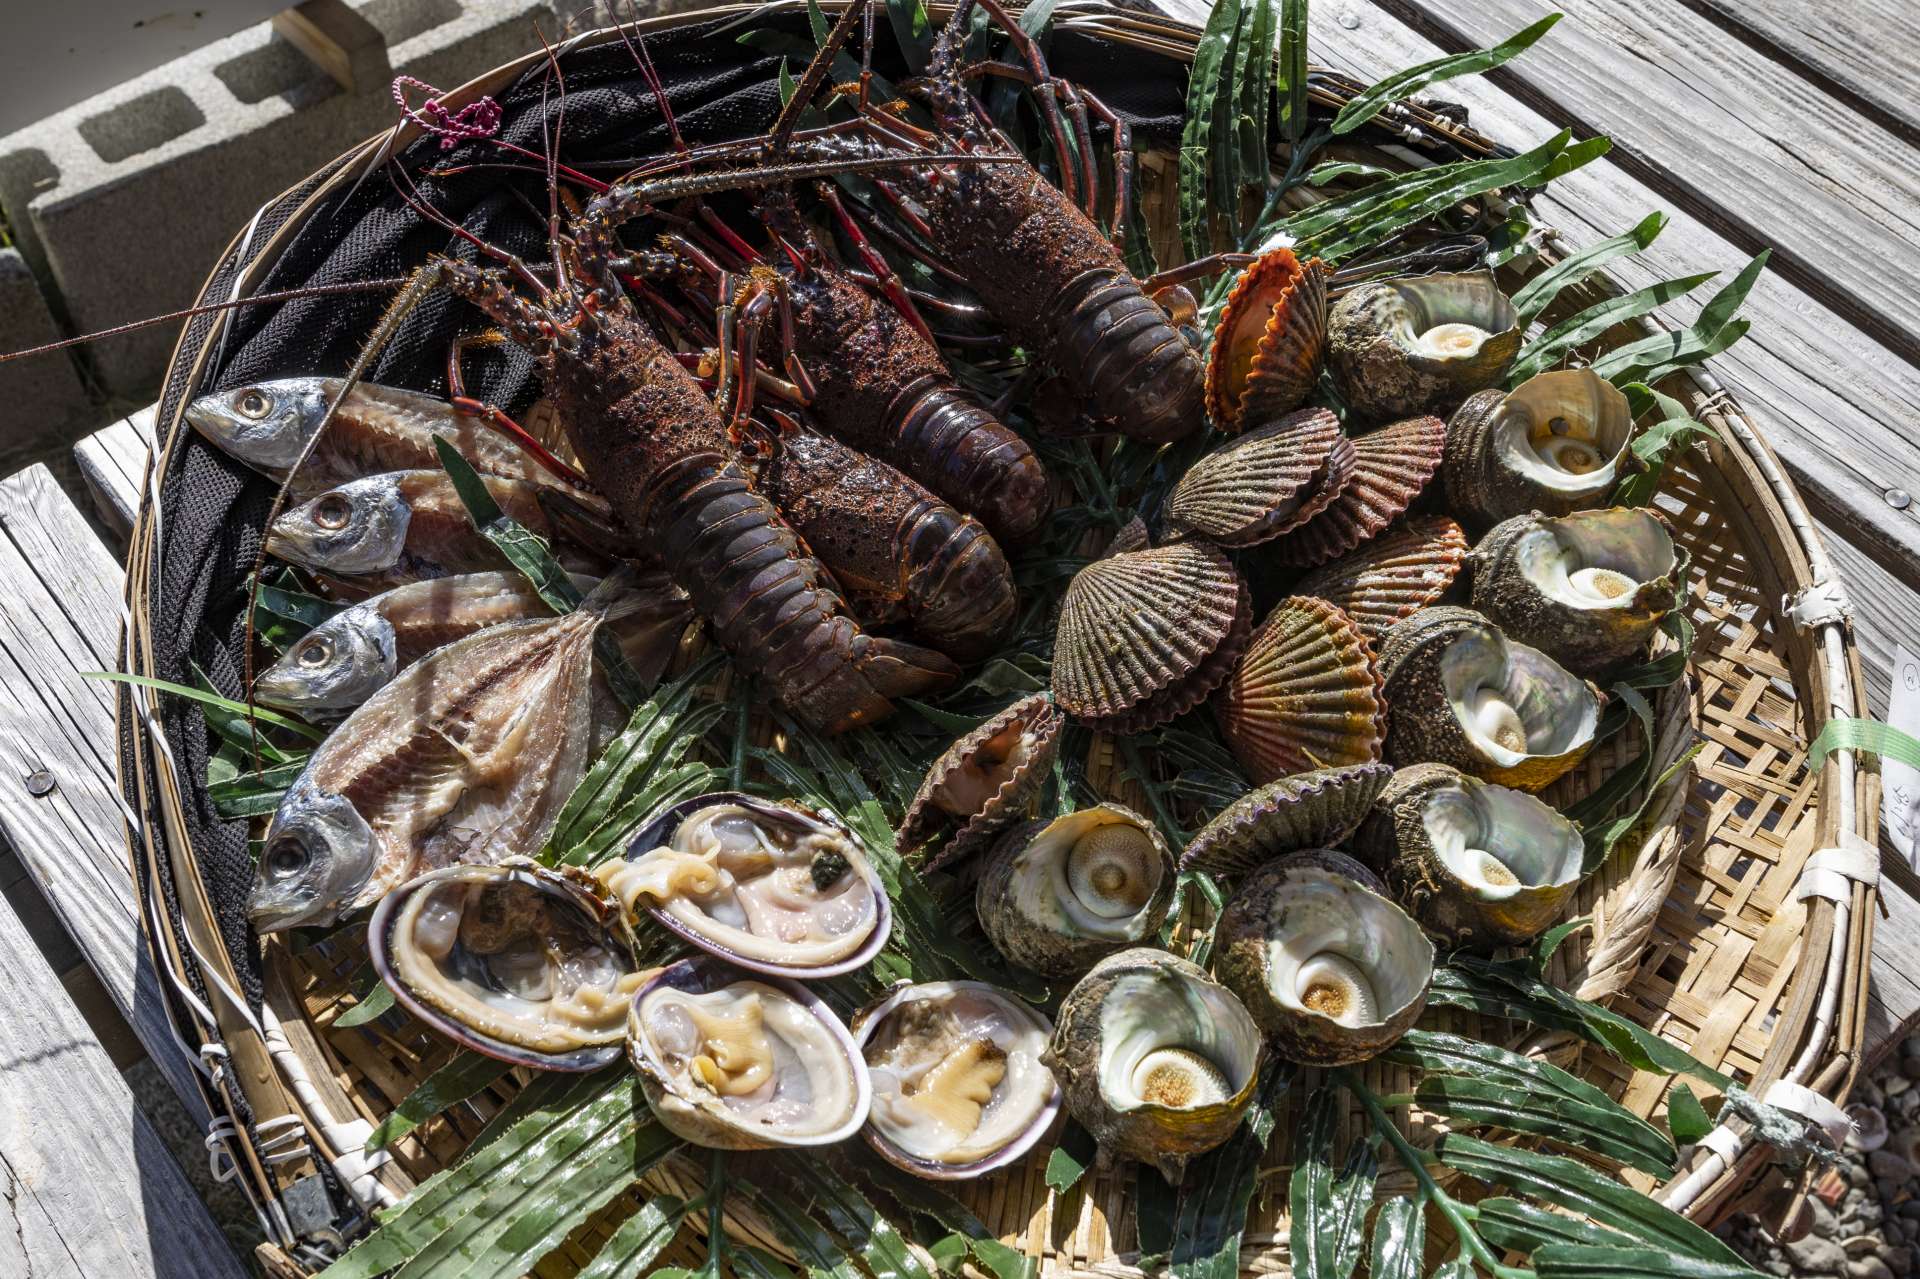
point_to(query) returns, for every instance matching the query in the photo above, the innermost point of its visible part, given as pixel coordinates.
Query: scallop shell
(1265, 482)
(1037, 717)
(1317, 809)
(1146, 635)
(1393, 576)
(1306, 694)
(1392, 467)
(1271, 340)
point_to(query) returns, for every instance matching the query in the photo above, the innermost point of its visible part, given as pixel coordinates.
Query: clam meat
(770, 887)
(958, 1085)
(514, 961)
(738, 1062)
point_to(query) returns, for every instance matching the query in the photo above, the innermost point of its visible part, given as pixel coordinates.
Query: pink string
(479, 119)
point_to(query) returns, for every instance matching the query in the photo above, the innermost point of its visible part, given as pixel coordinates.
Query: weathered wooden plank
(112, 461)
(1865, 51)
(1764, 157)
(90, 1191)
(59, 616)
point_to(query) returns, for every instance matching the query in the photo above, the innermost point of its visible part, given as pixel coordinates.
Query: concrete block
(43, 403)
(122, 204)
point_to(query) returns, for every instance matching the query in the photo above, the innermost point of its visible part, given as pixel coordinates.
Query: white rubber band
(1722, 1141)
(1832, 872)
(1822, 604)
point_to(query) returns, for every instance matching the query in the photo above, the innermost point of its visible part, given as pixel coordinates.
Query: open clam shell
(1461, 693)
(1476, 863)
(1270, 342)
(1332, 970)
(1588, 589)
(1157, 1060)
(984, 781)
(772, 888)
(1555, 444)
(515, 961)
(733, 1060)
(1420, 344)
(959, 1088)
(1305, 695)
(1315, 809)
(1393, 576)
(1264, 483)
(1056, 896)
(1391, 468)
(1145, 635)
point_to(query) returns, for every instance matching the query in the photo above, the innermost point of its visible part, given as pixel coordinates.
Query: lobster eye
(332, 511)
(254, 404)
(315, 652)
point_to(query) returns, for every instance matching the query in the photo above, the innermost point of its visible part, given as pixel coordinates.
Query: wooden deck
(1753, 123)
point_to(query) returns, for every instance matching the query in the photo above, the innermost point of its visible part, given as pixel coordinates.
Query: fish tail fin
(629, 589)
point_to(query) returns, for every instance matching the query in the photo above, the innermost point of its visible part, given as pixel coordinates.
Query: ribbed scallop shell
(1393, 576)
(1393, 465)
(1038, 716)
(1265, 482)
(1146, 635)
(1317, 809)
(1271, 340)
(1305, 695)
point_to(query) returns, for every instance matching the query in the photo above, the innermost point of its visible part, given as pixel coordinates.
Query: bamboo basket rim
(1817, 1036)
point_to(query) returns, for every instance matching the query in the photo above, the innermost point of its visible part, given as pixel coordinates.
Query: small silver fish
(347, 658)
(408, 526)
(466, 756)
(378, 428)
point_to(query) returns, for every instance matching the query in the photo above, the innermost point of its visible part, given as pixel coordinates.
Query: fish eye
(254, 404)
(332, 511)
(315, 652)
(287, 859)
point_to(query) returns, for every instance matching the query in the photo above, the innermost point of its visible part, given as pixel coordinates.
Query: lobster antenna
(815, 75)
(637, 46)
(208, 308)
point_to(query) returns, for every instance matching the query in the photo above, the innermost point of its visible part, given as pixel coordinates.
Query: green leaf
(1658, 355)
(1547, 350)
(637, 1241)
(1608, 1130)
(817, 22)
(1290, 74)
(1336, 169)
(1256, 90)
(1523, 1227)
(1338, 228)
(1211, 57)
(1069, 1160)
(1580, 1188)
(787, 87)
(1538, 293)
(1217, 1188)
(914, 30)
(813, 1246)
(1328, 1227)
(1035, 17)
(1548, 942)
(1578, 1261)
(1656, 447)
(1686, 1117)
(465, 1074)
(926, 1199)
(211, 700)
(295, 606)
(1456, 1267)
(879, 1243)
(1399, 1240)
(251, 794)
(376, 1002)
(1869, 735)
(1403, 84)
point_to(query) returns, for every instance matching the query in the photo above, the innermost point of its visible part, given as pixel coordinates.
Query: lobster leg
(493, 414)
(889, 283)
(950, 97)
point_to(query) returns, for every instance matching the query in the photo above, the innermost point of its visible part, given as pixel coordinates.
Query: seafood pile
(1387, 586)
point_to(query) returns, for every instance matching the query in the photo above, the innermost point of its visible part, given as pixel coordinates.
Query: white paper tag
(1900, 783)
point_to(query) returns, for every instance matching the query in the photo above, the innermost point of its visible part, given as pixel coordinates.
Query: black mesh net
(607, 121)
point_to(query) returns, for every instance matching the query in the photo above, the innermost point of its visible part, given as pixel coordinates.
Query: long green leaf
(209, 699)
(1537, 294)
(377, 1001)
(1609, 1131)
(879, 1243)
(1211, 58)
(1578, 1261)
(1069, 1160)
(1256, 91)
(926, 1199)
(1399, 1240)
(1523, 1227)
(1580, 1188)
(1403, 84)
(251, 794)
(1686, 1117)
(1547, 350)
(1328, 1216)
(1438, 1052)
(914, 30)
(1217, 1188)
(811, 1244)
(637, 1241)
(465, 1074)
(1290, 74)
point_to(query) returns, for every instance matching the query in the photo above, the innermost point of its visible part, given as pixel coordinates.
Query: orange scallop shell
(1270, 342)
(1306, 694)
(1401, 571)
(1145, 635)
(1395, 463)
(1262, 484)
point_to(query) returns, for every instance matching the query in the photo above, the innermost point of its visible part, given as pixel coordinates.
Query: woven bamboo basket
(1697, 932)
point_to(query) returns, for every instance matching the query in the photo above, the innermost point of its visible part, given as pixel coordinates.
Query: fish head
(264, 424)
(319, 855)
(335, 666)
(356, 527)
